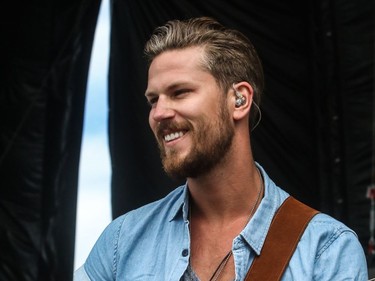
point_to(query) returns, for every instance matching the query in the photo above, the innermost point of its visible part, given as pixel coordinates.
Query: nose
(162, 110)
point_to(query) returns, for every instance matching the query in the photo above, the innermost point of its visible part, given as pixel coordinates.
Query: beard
(211, 140)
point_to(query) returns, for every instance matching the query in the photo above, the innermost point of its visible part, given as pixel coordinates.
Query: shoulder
(330, 251)
(127, 230)
(169, 205)
(155, 212)
(328, 233)
(327, 224)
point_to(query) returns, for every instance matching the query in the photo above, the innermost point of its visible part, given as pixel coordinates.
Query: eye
(181, 92)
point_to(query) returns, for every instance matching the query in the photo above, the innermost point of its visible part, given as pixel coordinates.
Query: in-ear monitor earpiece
(240, 99)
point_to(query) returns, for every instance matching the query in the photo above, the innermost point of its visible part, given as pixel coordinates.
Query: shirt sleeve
(81, 275)
(101, 263)
(341, 258)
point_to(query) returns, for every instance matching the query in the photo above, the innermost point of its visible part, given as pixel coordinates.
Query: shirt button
(185, 252)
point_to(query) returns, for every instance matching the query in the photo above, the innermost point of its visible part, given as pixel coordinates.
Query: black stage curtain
(45, 54)
(315, 137)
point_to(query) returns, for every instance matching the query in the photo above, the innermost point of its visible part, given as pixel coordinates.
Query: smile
(173, 136)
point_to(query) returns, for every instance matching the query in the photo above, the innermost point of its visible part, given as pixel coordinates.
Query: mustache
(167, 126)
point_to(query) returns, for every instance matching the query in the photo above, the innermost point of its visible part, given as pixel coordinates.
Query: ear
(245, 93)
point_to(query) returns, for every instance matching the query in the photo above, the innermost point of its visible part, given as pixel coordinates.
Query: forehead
(177, 65)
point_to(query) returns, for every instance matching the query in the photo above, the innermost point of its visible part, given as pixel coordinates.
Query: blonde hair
(229, 55)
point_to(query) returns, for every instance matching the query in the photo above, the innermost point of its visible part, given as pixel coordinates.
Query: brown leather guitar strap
(285, 231)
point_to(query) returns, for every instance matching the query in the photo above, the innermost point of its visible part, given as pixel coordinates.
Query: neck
(228, 191)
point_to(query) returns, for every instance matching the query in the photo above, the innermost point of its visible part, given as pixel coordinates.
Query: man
(203, 85)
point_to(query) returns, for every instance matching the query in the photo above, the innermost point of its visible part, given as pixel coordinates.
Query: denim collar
(255, 232)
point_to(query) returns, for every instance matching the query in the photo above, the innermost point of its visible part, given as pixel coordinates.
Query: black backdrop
(45, 53)
(315, 138)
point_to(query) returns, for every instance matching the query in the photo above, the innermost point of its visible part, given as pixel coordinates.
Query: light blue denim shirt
(153, 243)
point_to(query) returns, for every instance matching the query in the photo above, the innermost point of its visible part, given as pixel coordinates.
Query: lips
(169, 131)
(173, 136)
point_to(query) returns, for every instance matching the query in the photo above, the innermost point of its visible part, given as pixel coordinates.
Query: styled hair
(229, 55)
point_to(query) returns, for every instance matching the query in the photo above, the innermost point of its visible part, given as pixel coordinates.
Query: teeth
(173, 136)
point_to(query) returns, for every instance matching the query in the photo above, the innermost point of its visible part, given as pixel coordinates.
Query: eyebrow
(169, 88)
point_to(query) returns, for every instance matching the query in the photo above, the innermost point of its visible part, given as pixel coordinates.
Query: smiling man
(204, 84)
(190, 121)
